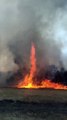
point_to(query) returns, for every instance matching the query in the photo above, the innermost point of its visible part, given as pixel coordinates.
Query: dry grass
(34, 95)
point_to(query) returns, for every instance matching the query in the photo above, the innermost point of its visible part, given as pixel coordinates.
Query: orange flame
(28, 80)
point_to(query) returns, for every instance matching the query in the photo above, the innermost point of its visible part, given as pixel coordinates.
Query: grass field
(30, 104)
(34, 95)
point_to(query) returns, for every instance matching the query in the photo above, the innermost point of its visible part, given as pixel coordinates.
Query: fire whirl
(27, 82)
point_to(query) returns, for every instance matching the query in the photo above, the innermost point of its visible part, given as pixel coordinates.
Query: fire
(27, 82)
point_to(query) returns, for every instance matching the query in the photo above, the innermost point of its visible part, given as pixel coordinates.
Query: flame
(28, 80)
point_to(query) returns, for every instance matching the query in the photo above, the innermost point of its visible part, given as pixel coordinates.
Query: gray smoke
(42, 21)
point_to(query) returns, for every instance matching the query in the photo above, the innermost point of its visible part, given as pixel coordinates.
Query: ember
(28, 81)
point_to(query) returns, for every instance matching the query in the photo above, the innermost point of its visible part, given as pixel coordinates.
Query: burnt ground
(18, 110)
(41, 108)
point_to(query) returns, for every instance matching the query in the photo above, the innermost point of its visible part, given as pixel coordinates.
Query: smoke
(52, 26)
(40, 21)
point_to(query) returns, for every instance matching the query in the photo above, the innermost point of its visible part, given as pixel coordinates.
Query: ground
(29, 104)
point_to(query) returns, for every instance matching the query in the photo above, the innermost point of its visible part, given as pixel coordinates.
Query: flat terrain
(30, 104)
(34, 95)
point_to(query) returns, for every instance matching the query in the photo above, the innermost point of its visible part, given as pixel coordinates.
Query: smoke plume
(42, 21)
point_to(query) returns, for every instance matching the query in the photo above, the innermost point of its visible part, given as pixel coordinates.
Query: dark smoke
(22, 21)
(52, 73)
